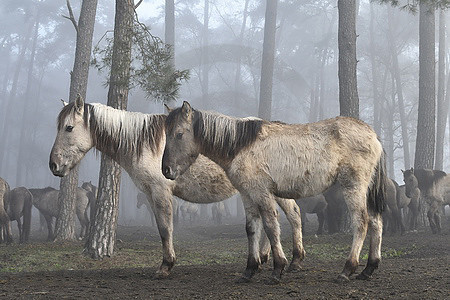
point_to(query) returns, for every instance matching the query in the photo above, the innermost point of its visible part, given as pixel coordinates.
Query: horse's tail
(377, 190)
(27, 208)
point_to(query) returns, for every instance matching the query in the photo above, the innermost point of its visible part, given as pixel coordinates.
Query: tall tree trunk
(205, 56)
(169, 28)
(102, 234)
(12, 97)
(348, 88)
(268, 57)
(425, 142)
(21, 157)
(374, 69)
(65, 223)
(398, 85)
(442, 104)
(237, 77)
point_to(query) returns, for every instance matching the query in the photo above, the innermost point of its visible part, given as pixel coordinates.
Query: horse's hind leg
(356, 202)
(253, 227)
(293, 215)
(375, 233)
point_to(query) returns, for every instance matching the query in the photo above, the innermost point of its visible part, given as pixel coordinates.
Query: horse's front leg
(48, 219)
(293, 215)
(267, 207)
(355, 199)
(161, 203)
(19, 226)
(253, 227)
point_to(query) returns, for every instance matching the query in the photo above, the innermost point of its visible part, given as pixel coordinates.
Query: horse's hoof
(273, 280)
(243, 279)
(342, 278)
(161, 274)
(363, 276)
(294, 267)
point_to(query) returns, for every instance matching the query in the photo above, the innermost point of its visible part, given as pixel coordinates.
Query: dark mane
(225, 135)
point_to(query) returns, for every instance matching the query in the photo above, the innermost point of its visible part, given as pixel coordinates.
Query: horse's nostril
(53, 166)
(167, 170)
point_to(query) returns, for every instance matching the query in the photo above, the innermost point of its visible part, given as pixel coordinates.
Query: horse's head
(73, 139)
(410, 180)
(181, 148)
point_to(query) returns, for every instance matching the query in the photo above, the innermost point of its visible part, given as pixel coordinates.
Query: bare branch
(137, 4)
(71, 17)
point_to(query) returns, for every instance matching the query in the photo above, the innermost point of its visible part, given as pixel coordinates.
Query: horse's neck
(114, 148)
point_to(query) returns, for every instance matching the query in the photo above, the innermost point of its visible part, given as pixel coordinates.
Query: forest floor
(212, 257)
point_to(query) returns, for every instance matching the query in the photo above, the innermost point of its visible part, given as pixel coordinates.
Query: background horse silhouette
(46, 201)
(430, 192)
(92, 196)
(313, 205)
(266, 160)
(20, 205)
(5, 225)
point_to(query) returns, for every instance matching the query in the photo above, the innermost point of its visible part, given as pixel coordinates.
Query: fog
(37, 48)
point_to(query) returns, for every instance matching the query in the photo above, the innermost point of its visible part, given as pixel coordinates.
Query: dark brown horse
(428, 182)
(20, 205)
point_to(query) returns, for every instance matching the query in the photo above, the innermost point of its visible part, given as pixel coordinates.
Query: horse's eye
(69, 128)
(179, 135)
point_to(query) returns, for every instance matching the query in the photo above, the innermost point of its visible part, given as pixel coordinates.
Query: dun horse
(20, 205)
(5, 224)
(267, 160)
(46, 201)
(136, 141)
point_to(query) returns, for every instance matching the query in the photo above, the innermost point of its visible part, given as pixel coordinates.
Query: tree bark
(425, 142)
(442, 104)
(268, 57)
(102, 233)
(348, 88)
(21, 157)
(7, 107)
(399, 89)
(375, 82)
(237, 77)
(205, 57)
(169, 28)
(65, 223)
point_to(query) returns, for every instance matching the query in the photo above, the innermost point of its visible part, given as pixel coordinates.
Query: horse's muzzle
(55, 170)
(169, 173)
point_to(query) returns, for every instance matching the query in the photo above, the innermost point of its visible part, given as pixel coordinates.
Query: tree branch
(71, 17)
(137, 4)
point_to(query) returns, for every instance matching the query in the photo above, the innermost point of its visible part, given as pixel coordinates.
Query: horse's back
(303, 160)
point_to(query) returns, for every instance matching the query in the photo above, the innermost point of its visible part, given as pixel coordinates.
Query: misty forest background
(220, 42)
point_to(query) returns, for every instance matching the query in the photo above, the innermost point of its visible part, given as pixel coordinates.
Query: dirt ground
(211, 258)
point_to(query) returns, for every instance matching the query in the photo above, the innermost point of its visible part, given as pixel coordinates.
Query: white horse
(136, 141)
(267, 160)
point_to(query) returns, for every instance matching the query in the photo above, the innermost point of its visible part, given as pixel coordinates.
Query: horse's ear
(79, 104)
(412, 169)
(64, 102)
(168, 109)
(402, 170)
(186, 110)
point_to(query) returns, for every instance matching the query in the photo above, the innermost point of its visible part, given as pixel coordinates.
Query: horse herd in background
(266, 162)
